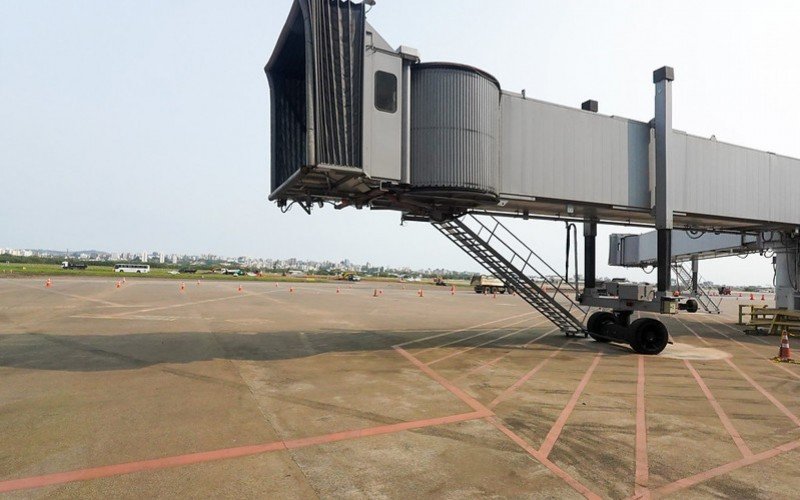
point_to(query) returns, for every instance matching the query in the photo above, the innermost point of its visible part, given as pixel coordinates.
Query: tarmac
(325, 390)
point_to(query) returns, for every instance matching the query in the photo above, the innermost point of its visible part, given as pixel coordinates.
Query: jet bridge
(358, 123)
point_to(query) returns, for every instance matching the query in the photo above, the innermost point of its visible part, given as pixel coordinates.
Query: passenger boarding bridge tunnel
(358, 123)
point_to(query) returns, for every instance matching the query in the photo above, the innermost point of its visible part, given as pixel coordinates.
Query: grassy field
(10, 270)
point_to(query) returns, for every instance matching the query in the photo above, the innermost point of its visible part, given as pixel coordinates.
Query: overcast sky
(143, 125)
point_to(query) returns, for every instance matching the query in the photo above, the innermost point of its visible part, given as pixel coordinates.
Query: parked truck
(487, 284)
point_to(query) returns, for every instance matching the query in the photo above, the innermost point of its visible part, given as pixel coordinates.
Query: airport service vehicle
(487, 284)
(724, 290)
(132, 268)
(353, 277)
(72, 265)
(439, 281)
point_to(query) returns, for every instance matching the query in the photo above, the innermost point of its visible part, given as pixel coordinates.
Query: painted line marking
(726, 422)
(642, 475)
(460, 394)
(463, 329)
(765, 393)
(787, 370)
(555, 431)
(519, 383)
(724, 469)
(224, 454)
(491, 341)
(496, 360)
(571, 481)
(745, 346)
(480, 334)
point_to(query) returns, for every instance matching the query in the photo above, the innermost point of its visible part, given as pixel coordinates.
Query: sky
(144, 125)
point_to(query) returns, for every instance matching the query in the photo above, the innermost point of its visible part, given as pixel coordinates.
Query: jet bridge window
(385, 92)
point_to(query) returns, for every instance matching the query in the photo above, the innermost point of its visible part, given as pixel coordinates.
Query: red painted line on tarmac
(516, 385)
(463, 396)
(555, 431)
(462, 329)
(490, 341)
(725, 469)
(706, 342)
(726, 422)
(642, 475)
(496, 360)
(481, 334)
(574, 483)
(787, 370)
(766, 393)
(223, 454)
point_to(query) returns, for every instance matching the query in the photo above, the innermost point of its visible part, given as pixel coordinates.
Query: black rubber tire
(596, 322)
(691, 306)
(650, 336)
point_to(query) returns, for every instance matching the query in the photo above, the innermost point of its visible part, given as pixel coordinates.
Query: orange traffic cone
(291, 289)
(239, 289)
(123, 280)
(380, 292)
(48, 283)
(752, 297)
(762, 298)
(420, 293)
(183, 286)
(119, 284)
(785, 353)
(337, 290)
(198, 282)
(375, 293)
(276, 285)
(452, 290)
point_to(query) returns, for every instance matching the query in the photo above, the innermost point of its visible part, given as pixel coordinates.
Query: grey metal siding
(455, 128)
(555, 152)
(723, 180)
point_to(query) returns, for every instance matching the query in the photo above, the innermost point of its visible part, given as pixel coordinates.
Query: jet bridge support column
(787, 273)
(695, 274)
(589, 255)
(662, 78)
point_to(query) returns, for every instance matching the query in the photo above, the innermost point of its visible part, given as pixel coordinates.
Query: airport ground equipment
(358, 123)
(690, 280)
(487, 284)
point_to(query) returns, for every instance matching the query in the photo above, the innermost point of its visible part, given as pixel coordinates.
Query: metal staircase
(504, 255)
(684, 277)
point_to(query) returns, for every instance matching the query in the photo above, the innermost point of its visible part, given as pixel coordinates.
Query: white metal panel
(382, 130)
(551, 151)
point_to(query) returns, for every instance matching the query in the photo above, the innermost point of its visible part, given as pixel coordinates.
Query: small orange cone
(48, 283)
(276, 285)
(375, 293)
(198, 282)
(183, 286)
(380, 292)
(752, 297)
(239, 289)
(337, 290)
(291, 289)
(785, 353)
(762, 298)
(119, 284)
(453, 290)
(420, 293)
(123, 280)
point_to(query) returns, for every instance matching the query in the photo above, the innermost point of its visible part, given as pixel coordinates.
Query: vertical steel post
(589, 255)
(662, 78)
(695, 274)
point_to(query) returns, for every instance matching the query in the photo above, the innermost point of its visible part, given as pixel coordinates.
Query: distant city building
(161, 258)
(144, 257)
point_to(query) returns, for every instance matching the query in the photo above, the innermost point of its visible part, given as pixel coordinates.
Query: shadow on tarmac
(90, 353)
